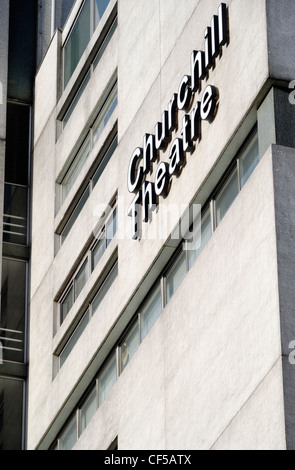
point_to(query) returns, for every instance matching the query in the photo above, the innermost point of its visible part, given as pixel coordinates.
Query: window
(249, 160)
(79, 37)
(74, 338)
(88, 263)
(88, 409)
(227, 196)
(104, 289)
(196, 244)
(11, 413)
(91, 309)
(77, 41)
(107, 379)
(66, 303)
(76, 99)
(129, 346)
(176, 275)
(85, 80)
(92, 135)
(75, 168)
(150, 311)
(69, 437)
(83, 199)
(104, 114)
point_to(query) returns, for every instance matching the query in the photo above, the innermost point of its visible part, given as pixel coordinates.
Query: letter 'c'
(135, 174)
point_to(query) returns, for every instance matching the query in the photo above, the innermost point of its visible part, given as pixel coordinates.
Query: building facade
(162, 227)
(25, 35)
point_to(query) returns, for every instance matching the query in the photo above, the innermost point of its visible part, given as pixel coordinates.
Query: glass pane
(100, 7)
(227, 197)
(104, 288)
(176, 275)
(111, 226)
(195, 245)
(88, 409)
(98, 250)
(81, 278)
(77, 42)
(66, 304)
(76, 99)
(15, 214)
(105, 43)
(107, 378)
(104, 115)
(150, 311)
(13, 310)
(129, 346)
(75, 214)
(69, 436)
(74, 339)
(249, 161)
(75, 168)
(105, 160)
(11, 412)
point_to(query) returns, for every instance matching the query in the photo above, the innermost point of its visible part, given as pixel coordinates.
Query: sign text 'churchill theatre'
(147, 193)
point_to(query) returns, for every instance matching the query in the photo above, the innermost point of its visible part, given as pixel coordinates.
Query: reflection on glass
(107, 379)
(88, 409)
(150, 311)
(75, 214)
(77, 42)
(196, 245)
(69, 436)
(81, 278)
(104, 115)
(111, 227)
(129, 346)
(227, 196)
(105, 160)
(74, 339)
(76, 99)
(99, 9)
(75, 168)
(105, 43)
(98, 250)
(104, 288)
(249, 160)
(176, 275)
(66, 304)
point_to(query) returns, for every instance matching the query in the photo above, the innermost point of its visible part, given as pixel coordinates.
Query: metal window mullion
(139, 327)
(239, 173)
(78, 422)
(118, 361)
(96, 392)
(163, 291)
(213, 215)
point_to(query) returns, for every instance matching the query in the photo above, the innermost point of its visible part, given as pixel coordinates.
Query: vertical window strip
(83, 28)
(80, 157)
(89, 188)
(87, 265)
(86, 317)
(70, 109)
